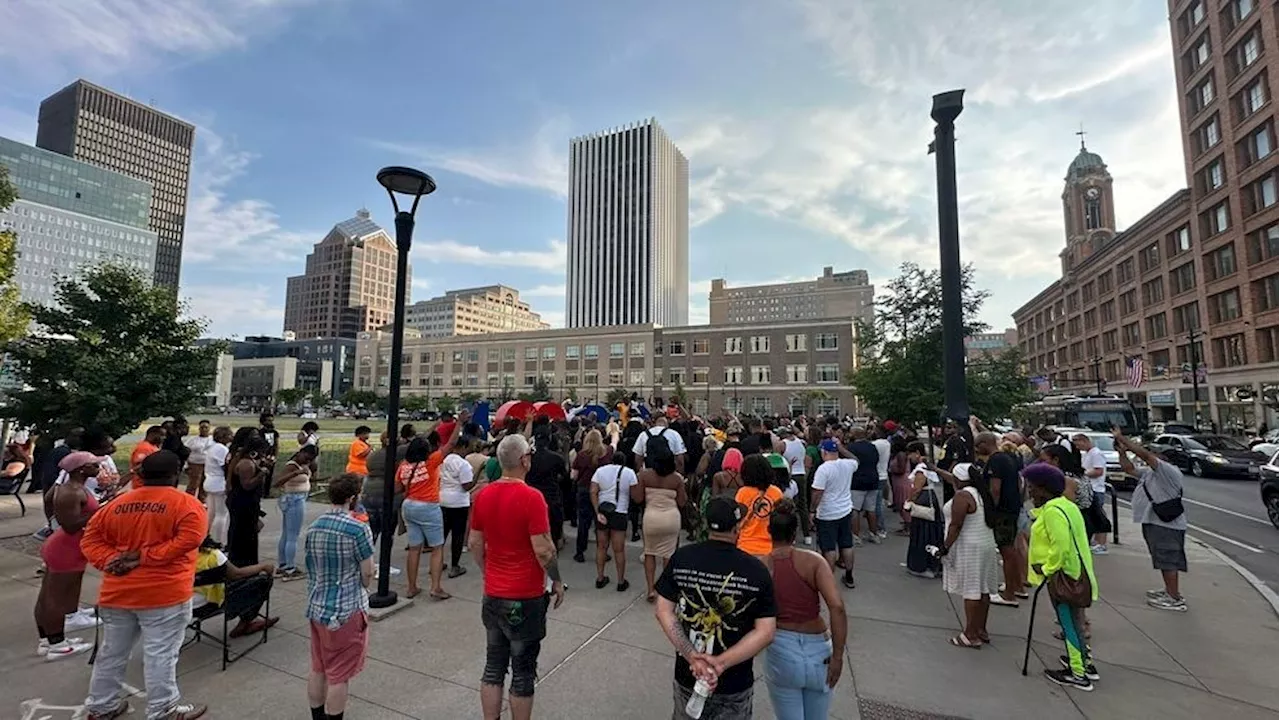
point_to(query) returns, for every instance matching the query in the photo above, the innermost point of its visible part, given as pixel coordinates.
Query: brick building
(1192, 286)
(770, 368)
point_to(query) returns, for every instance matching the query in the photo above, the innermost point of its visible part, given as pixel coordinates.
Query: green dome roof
(1085, 163)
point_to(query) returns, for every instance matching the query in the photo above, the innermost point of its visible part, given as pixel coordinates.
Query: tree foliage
(809, 397)
(113, 351)
(446, 403)
(540, 392)
(506, 393)
(14, 317)
(615, 396)
(291, 397)
(900, 366)
(414, 403)
(679, 395)
(361, 398)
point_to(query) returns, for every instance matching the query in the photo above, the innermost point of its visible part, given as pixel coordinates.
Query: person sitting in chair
(217, 578)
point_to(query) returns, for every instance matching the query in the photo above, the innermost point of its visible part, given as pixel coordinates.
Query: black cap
(724, 514)
(161, 465)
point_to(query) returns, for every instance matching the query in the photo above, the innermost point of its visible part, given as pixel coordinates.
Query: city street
(1227, 514)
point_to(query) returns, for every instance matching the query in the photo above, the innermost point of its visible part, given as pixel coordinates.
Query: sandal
(996, 599)
(440, 595)
(985, 638)
(413, 593)
(964, 642)
(651, 597)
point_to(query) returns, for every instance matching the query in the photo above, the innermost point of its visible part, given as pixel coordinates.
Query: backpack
(656, 446)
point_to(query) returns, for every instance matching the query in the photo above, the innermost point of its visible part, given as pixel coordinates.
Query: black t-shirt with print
(719, 592)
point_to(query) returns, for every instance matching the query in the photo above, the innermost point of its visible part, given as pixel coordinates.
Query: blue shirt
(336, 544)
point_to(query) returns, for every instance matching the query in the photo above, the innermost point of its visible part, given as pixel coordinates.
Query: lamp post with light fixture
(411, 184)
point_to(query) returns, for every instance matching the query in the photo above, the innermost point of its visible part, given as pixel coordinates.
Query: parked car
(1269, 487)
(1206, 455)
(1267, 445)
(1106, 443)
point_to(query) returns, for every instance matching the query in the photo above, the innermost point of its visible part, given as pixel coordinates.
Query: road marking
(1258, 520)
(1210, 533)
(35, 709)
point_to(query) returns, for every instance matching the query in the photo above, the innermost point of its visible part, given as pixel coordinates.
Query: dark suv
(1268, 487)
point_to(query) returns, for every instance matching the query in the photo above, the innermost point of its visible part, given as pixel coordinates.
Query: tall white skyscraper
(628, 229)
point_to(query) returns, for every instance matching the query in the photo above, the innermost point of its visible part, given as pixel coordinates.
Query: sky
(805, 123)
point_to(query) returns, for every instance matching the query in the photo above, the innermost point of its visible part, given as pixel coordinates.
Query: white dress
(972, 568)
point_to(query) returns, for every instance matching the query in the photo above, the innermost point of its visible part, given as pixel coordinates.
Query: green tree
(808, 398)
(900, 363)
(415, 403)
(291, 397)
(361, 398)
(615, 396)
(319, 398)
(679, 396)
(572, 395)
(540, 392)
(113, 351)
(506, 394)
(446, 403)
(14, 317)
(469, 399)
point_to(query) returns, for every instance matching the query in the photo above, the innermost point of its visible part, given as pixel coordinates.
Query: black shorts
(616, 521)
(1005, 529)
(514, 630)
(835, 535)
(1168, 547)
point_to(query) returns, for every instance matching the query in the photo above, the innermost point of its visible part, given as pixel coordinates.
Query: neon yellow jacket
(1056, 522)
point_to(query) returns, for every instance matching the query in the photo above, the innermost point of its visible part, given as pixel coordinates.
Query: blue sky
(805, 123)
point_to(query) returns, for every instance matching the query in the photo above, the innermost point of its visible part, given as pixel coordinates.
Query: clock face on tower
(1091, 193)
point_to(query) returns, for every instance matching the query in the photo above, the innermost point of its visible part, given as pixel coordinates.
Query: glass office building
(70, 215)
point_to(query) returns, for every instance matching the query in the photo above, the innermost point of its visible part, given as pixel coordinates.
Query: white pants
(161, 631)
(219, 518)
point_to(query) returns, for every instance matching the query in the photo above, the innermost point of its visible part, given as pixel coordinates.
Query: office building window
(1153, 291)
(701, 346)
(759, 343)
(531, 353)
(591, 351)
(700, 375)
(1183, 278)
(572, 352)
(827, 373)
(733, 376)
(760, 374)
(732, 345)
(549, 352)
(675, 347)
(826, 341)
(1221, 262)
(1179, 241)
(1265, 293)
(637, 378)
(797, 374)
(615, 378)
(1229, 351)
(637, 349)
(617, 350)
(1156, 328)
(1186, 317)
(797, 342)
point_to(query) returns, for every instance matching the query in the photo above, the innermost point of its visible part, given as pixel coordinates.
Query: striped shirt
(336, 544)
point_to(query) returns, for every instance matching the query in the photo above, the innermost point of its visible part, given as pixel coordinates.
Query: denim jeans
(292, 508)
(795, 671)
(514, 630)
(880, 503)
(586, 518)
(162, 631)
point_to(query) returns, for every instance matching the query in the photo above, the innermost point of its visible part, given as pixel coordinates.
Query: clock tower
(1088, 207)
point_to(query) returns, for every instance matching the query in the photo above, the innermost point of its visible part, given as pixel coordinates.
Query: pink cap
(79, 459)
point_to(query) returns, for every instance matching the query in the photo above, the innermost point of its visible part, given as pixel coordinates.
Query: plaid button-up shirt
(336, 544)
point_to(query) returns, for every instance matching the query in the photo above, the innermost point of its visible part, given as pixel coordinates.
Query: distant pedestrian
(358, 453)
(198, 445)
(1157, 506)
(1094, 465)
(215, 484)
(970, 566)
(833, 508)
(294, 485)
(339, 561)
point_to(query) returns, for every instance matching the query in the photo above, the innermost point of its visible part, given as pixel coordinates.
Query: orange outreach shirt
(754, 537)
(357, 457)
(139, 454)
(422, 480)
(166, 526)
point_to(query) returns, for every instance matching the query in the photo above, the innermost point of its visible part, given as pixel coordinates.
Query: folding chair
(13, 486)
(240, 597)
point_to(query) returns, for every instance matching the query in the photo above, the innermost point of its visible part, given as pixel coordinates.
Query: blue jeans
(880, 503)
(796, 673)
(292, 509)
(159, 631)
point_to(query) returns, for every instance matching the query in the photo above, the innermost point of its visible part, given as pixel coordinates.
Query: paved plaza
(604, 655)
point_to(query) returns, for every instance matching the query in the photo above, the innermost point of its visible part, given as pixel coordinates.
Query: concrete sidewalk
(605, 656)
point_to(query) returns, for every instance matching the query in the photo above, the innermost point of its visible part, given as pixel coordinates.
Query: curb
(1266, 592)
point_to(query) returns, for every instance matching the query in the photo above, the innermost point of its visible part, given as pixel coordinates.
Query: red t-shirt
(509, 514)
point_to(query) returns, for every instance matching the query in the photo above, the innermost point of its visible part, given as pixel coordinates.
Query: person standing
(249, 468)
(1157, 506)
(456, 482)
(269, 434)
(145, 543)
(717, 607)
(758, 494)
(358, 453)
(661, 489)
(969, 567)
(511, 542)
(215, 484)
(1057, 538)
(59, 597)
(150, 444)
(198, 446)
(833, 508)
(610, 496)
(794, 451)
(1095, 472)
(339, 562)
(884, 451)
(1001, 474)
(593, 456)
(804, 662)
(866, 485)
(294, 485)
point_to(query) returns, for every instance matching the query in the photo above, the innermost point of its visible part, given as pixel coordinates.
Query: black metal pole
(386, 597)
(946, 108)
(1195, 378)
(1097, 373)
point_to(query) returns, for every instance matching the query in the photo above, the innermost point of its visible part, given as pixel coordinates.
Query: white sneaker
(882, 534)
(42, 649)
(81, 619)
(66, 649)
(873, 538)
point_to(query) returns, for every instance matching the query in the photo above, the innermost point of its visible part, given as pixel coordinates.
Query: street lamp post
(946, 108)
(1097, 374)
(1192, 336)
(410, 183)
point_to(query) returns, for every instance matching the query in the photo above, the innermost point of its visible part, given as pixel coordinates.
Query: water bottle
(698, 699)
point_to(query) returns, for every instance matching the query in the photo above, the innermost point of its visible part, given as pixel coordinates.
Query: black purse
(615, 520)
(1076, 592)
(1166, 510)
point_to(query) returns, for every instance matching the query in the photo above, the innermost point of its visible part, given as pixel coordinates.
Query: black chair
(13, 486)
(241, 597)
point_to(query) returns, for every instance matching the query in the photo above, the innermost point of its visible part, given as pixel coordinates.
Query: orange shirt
(753, 537)
(422, 480)
(139, 454)
(166, 526)
(357, 457)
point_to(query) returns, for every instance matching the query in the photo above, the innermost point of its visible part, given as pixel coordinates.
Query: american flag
(1135, 370)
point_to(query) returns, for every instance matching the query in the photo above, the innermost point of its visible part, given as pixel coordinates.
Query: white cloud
(539, 162)
(107, 37)
(219, 228)
(551, 260)
(237, 310)
(544, 291)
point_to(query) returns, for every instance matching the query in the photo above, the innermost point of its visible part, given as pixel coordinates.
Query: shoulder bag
(1166, 510)
(615, 520)
(1084, 492)
(1064, 589)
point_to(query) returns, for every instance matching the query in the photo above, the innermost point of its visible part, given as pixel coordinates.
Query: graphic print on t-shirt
(761, 507)
(708, 611)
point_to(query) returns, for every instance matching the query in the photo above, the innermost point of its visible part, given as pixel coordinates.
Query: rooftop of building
(1085, 163)
(358, 227)
(856, 277)
(148, 106)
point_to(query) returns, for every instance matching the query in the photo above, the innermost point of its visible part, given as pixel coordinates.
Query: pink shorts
(340, 653)
(61, 553)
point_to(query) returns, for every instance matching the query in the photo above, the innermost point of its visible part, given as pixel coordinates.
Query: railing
(1115, 514)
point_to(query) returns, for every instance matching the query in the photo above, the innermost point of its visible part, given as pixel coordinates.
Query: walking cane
(1026, 655)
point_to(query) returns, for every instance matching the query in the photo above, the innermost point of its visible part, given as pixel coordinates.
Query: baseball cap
(723, 513)
(79, 459)
(784, 431)
(777, 462)
(830, 445)
(890, 425)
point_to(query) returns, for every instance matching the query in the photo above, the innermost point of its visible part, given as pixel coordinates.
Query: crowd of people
(748, 526)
